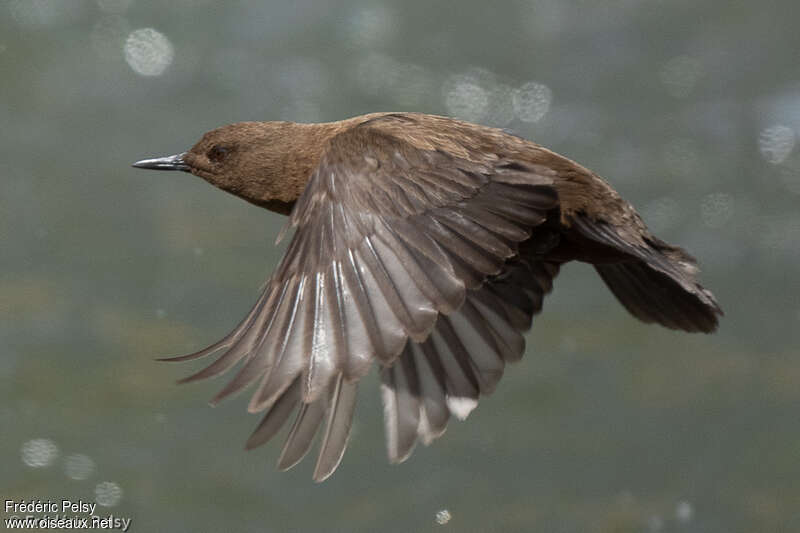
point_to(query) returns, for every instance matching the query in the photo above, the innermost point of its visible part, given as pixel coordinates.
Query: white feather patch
(461, 407)
(390, 419)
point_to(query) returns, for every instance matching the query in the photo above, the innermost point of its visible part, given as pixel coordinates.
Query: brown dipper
(426, 243)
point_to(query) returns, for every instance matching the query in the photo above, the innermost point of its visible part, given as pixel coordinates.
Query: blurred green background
(690, 109)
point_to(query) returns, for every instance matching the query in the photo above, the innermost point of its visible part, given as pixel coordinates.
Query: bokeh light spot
(477, 96)
(148, 52)
(684, 511)
(78, 466)
(532, 101)
(465, 98)
(443, 517)
(108, 493)
(776, 143)
(370, 26)
(39, 453)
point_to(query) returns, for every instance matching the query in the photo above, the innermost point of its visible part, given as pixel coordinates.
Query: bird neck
(295, 153)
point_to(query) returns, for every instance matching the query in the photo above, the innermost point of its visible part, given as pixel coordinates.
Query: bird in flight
(426, 244)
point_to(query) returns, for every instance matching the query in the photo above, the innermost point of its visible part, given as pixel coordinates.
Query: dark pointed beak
(173, 162)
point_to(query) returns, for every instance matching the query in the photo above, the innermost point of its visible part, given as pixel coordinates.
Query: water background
(691, 110)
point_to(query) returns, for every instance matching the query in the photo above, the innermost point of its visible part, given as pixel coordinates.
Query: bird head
(257, 161)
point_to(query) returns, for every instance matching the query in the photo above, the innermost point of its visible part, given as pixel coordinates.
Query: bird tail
(670, 297)
(654, 280)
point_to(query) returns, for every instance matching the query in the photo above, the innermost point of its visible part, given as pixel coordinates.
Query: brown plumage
(424, 243)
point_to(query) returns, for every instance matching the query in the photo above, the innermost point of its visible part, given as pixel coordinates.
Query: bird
(424, 245)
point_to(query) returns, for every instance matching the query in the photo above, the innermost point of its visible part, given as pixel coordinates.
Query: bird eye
(217, 153)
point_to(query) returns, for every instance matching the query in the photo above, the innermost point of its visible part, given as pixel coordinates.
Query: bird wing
(464, 356)
(392, 243)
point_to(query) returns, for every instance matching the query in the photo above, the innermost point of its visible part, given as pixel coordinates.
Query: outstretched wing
(463, 358)
(392, 243)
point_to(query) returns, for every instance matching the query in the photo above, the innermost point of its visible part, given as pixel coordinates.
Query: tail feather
(654, 296)
(654, 280)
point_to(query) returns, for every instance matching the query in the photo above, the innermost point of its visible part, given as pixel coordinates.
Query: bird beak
(173, 162)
